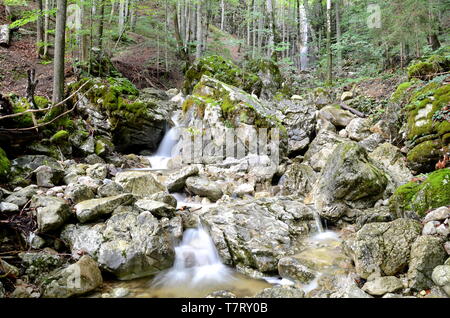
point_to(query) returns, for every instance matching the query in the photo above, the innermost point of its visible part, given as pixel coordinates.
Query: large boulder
(135, 120)
(213, 108)
(321, 149)
(392, 161)
(22, 167)
(441, 277)
(261, 77)
(299, 119)
(258, 233)
(337, 116)
(427, 252)
(78, 192)
(298, 179)
(21, 197)
(383, 248)
(383, 285)
(204, 187)
(51, 212)
(420, 195)
(76, 279)
(93, 209)
(156, 208)
(349, 179)
(177, 180)
(139, 183)
(128, 244)
(428, 130)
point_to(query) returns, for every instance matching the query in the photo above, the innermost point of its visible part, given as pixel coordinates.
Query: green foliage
(5, 165)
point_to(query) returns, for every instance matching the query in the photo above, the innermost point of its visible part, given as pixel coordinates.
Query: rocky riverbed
(104, 224)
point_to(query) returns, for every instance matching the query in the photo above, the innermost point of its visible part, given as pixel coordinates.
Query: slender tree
(58, 65)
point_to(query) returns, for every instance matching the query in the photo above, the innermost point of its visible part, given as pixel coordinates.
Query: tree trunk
(101, 18)
(4, 35)
(39, 30)
(121, 16)
(182, 50)
(330, 58)
(46, 25)
(58, 65)
(338, 37)
(84, 47)
(198, 52)
(222, 16)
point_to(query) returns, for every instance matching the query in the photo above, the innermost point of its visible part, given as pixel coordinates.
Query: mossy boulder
(270, 78)
(427, 125)
(421, 196)
(222, 69)
(5, 165)
(349, 179)
(235, 105)
(430, 67)
(136, 122)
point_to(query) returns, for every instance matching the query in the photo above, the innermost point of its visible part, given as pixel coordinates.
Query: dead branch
(44, 109)
(353, 111)
(47, 123)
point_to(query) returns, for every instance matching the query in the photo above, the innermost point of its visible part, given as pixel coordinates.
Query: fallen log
(4, 35)
(353, 111)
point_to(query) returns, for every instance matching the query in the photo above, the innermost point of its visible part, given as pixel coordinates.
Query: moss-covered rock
(349, 178)
(60, 136)
(136, 122)
(5, 165)
(428, 68)
(222, 69)
(420, 196)
(427, 125)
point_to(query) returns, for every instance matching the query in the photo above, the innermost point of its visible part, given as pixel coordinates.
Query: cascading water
(164, 152)
(197, 264)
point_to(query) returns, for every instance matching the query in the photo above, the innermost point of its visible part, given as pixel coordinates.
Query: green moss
(5, 165)
(400, 92)
(420, 197)
(431, 94)
(425, 151)
(222, 69)
(122, 86)
(41, 102)
(20, 105)
(428, 68)
(60, 136)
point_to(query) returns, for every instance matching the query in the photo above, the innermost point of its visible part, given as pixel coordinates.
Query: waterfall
(197, 263)
(304, 38)
(164, 152)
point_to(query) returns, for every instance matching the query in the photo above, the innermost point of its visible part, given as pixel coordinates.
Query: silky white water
(164, 152)
(197, 263)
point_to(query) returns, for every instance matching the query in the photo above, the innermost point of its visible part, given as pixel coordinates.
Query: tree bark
(58, 65)
(4, 35)
(39, 29)
(222, 16)
(329, 55)
(338, 36)
(101, 19)
(198, 52)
